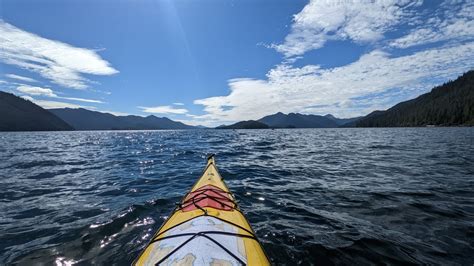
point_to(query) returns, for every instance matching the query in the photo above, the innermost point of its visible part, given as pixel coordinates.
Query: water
(313, 196)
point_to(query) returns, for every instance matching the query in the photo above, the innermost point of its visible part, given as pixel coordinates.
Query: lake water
(313, 196)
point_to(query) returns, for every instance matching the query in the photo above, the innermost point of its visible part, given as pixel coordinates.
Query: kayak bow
(206, 228)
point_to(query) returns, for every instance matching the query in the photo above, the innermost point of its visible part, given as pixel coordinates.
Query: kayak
(206, 228)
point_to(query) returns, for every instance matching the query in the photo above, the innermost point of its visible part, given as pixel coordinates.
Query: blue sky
(218, 61)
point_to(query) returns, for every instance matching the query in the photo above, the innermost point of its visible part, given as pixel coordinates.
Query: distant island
(296, 120)
(291, 120)
(451, 104)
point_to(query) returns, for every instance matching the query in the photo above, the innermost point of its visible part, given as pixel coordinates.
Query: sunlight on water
(60, 261)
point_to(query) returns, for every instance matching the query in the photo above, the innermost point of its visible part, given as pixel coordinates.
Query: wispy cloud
(178, 103)
(364, 21)
(20, 78)
(165, 109)
(55, 104)
(46, 92)
(81, 100)
(114, 113)
(452, 22)
(61, 63)
(360, 21)
(37, 91)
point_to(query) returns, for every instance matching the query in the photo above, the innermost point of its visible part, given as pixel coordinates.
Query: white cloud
(46, 92)
(360, 21)
(165, 109)
(81, 100)
(59, 62)
(291, 89)
(21, 78)
(178, 103)
(115, 113)
(37, 91)
(55, 104)
(454, 22)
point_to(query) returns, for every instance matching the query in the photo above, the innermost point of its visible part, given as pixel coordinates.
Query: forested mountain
(18, 114)
(292, 120)
(83, 119)
(448, 105)
(295, 120)
(250, 124)
(451, 104)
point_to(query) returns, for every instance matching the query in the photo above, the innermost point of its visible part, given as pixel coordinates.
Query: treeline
(450, 104)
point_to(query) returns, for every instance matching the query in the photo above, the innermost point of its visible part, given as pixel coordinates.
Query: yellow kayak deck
(206, 228)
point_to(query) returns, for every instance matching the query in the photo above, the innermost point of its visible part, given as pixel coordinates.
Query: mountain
(83, 119)
(342, 121)
(295, 120)
(451, 104)
(250, 124)
(201, 126)
(18, 114)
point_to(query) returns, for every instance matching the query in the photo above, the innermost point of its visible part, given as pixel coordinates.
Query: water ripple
(313, 196)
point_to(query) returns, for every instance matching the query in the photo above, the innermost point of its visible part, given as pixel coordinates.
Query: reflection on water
(313, 196)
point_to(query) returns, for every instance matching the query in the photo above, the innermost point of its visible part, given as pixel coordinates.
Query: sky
(213, 62)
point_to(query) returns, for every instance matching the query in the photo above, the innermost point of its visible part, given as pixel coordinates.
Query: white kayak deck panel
(200, 250)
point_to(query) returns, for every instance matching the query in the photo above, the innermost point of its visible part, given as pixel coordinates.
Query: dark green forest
(451, 104)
